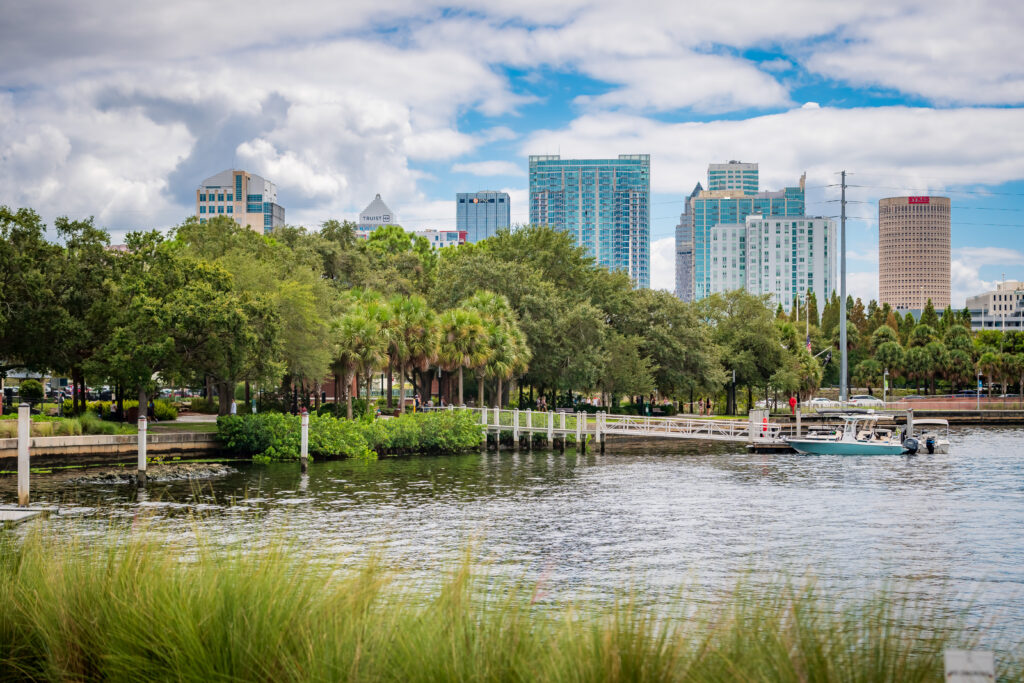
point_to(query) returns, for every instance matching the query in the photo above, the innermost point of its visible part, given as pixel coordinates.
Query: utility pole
(842, 290)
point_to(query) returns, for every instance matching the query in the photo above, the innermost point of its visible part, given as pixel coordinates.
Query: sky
(118, 109)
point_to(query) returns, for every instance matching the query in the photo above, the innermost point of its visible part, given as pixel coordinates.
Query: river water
(932, 525)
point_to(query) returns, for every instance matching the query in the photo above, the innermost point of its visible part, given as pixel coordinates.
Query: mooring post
(515, 429)
(483, 423)
(798, 411)
(304, 444)
(600, 430)
(910, 422)
(140, 476)
(24, 436)
(551, 429)
(529, 429)
(580, 443)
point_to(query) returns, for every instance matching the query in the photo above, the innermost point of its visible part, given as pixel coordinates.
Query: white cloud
(489, 168)
(947, 52)
(663, 264)
(862, 285)
(889, 147)
(966, 265)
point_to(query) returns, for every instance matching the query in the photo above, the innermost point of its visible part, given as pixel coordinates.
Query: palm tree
(988, 364)
(416, 337)
(918, 363)
(959, 367)
(890, 356)
(462, 342)
(352, 333)
(939, 357)
(867, 373)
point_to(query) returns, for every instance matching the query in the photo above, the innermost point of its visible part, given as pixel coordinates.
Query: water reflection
(949, 523)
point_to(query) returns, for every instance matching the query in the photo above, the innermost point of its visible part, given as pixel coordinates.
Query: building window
(202, 209)
(202, 197)
(220, 197)
(220, 209)
(231, 209)
(229, 198)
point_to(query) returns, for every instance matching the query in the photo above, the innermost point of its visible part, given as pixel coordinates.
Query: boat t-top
(859, 435)
(934, 435)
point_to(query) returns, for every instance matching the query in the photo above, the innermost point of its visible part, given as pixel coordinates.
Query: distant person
(234, 409)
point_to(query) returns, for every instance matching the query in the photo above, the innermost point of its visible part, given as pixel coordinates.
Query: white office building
(249, 199)
(1000, 309)
(784, 256)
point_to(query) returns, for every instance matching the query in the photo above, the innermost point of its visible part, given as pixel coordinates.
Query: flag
(808, 343)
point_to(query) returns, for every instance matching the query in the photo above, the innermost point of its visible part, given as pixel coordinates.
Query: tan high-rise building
(913, 252)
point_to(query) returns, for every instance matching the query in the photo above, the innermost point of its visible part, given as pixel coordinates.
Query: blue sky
(117, 110)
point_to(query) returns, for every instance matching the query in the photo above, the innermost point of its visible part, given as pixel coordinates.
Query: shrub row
(45, 425)
(276, 437)
(162, 408)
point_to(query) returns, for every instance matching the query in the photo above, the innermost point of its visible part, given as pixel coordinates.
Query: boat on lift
(859, 435)
(934, 435)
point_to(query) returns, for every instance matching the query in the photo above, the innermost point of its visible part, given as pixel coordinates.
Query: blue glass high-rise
(481, 214)
(603, 203)
(732, 206)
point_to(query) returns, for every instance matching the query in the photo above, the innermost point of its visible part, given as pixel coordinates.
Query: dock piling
(140, 476)
(304, 444)
(24, 436)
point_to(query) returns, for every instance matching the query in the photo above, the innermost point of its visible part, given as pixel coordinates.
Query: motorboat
(859, 435)
(933, 436)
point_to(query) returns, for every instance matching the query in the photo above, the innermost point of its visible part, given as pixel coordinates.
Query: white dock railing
(598, 425)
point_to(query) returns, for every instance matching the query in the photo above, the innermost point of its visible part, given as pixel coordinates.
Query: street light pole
(978, 392)
(885, 384)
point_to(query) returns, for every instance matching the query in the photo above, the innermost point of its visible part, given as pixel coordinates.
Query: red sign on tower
(918, 200)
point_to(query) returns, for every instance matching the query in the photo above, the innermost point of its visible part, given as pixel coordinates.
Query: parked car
(821, 403)
(866, 401)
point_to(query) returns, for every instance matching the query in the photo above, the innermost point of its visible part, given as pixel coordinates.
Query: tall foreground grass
(140, 610)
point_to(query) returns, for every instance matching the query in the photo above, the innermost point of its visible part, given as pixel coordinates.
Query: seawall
(62, 451)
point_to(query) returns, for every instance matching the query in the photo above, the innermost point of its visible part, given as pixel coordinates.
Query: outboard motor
(929, 443)
(911, 445)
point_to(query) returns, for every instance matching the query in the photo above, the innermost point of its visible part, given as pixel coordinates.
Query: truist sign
(918, 200)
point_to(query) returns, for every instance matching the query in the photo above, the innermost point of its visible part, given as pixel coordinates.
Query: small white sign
(970, 666)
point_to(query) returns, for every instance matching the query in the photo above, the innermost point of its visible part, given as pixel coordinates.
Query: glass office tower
(603, 203)
(481, 214)
(732, 206)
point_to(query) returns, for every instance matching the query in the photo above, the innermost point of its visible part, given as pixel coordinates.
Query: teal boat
(859, 435)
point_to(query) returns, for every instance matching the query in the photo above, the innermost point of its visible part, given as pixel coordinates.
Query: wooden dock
(9, 516)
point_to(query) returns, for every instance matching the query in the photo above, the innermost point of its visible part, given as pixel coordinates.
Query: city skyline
(103, 119)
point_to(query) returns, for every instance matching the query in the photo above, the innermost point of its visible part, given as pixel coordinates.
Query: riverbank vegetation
(138, 608)
(519, 317)
(269, 437)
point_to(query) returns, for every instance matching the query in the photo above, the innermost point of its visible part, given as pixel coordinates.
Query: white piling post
(304, 447)
(579, 431)
(551, 429)
(24, 436)
(140, 476)
(515, 429)
(561, 421)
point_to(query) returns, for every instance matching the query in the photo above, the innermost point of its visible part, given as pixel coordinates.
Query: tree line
(520, 315)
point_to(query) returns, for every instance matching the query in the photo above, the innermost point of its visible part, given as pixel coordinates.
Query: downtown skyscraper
(603, 203)
(736, 196)
(481, 214)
